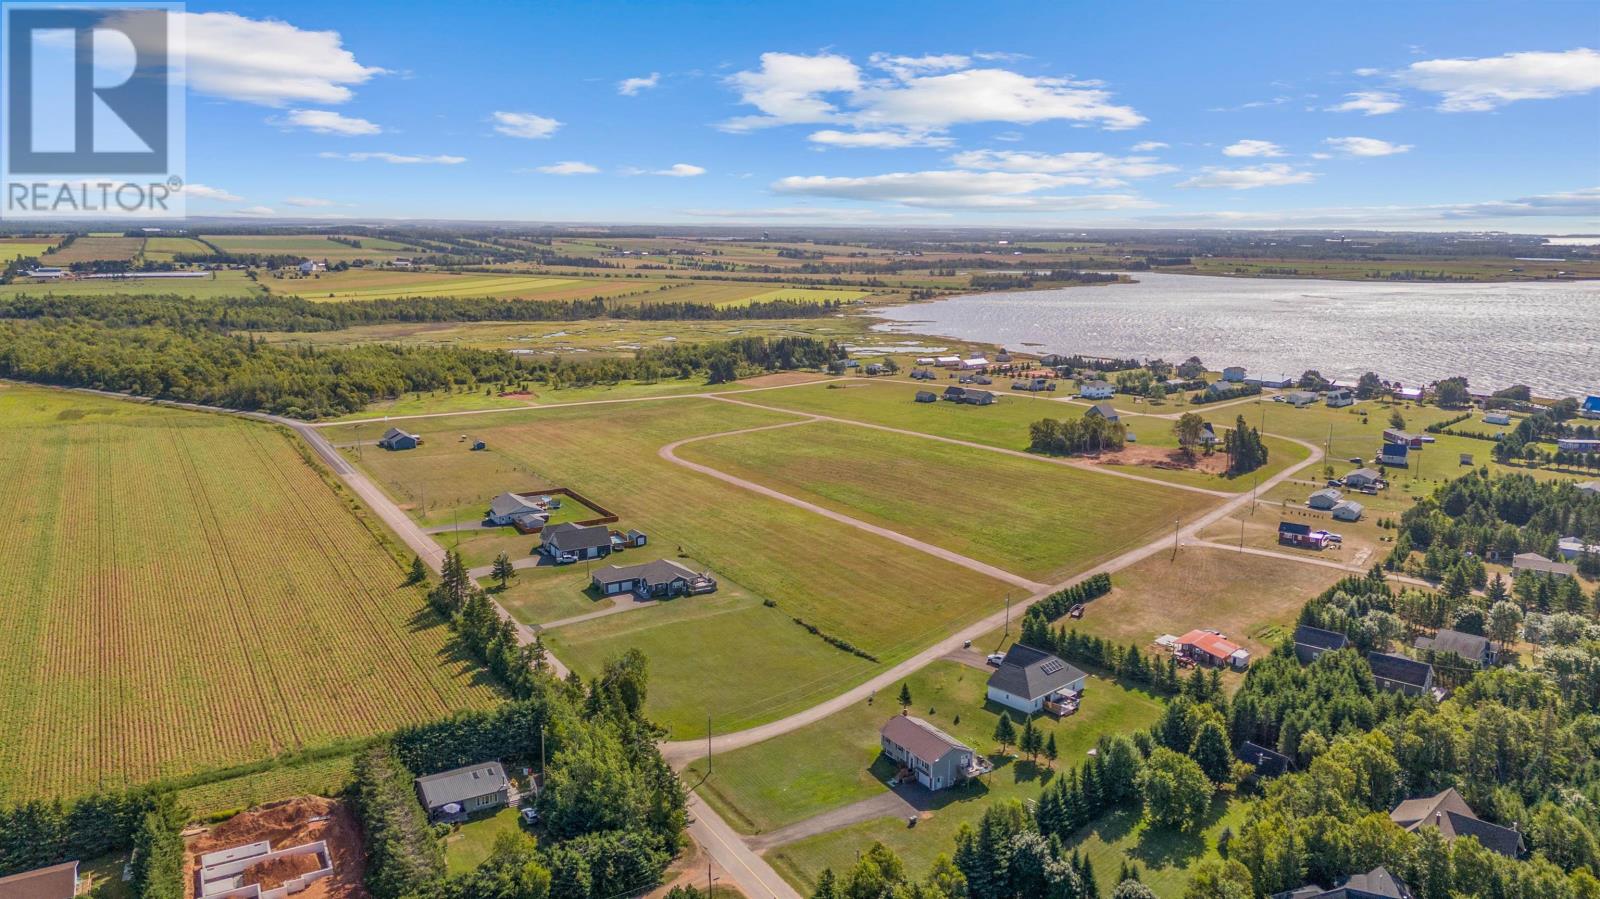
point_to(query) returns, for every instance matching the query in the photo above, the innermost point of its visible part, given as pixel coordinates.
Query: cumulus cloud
(396, 158)
(881, 140)
(1481, 84)
(680, 170)
(1100, 168)
(524, 125)
(267, 61)
(958, 189)
(789, 89)
(629, 87)
(1369, 103)
(571, 167)
(1366, 146)
(1147, 145)
(326, 121)
(1275, 174)
(1252, 148)
(207, 192)
(905, 66)
(307, 202)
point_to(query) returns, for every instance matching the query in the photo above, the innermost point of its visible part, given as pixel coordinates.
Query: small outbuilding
(1213, 649)
(1267, 762)
(1349, 510)
(927, 396)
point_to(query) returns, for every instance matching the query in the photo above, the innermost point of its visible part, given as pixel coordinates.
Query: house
(1539, 565)
(1497, 418)
(1451, 816)
(1362, 478)
(1208, 434)
(1054, 360)
(1002, 357)
(308, 267)
(1349, 510)
(1301, 398)
(1398, 454)
(567, 542)
(1325, 499)
(936, 759)
(924, 360)
(1096, 390)
(1375, 884)
(1590, 407)
(874, 369)
(1294, 533)
(1233, 373)
(1275, 383)
(1414, 394)
(1470, 647)
(1103, 410)
(453, 795)
(1030, 679)
(1401, 674)
(239, 872)
(1339, 398)
(924, 396)
(1395, 435)
(1213, 649)
(974, 362)
(1570, 548)
(923, 374)
(1589, 487)
(663, 577)
(1578, 444)
(517, 510)
(1311, 642)
(1034, 385)
(948, 361)
(1267, 762)
(972, 397)
(1217, 390)
(396, 439)
(55, 882)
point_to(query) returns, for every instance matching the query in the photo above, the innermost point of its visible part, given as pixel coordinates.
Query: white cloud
(1577, 203)
(904, 66)
(1366, 146)
(1369, 103)
(307, 202)
(1273, 174)
(1148, 145)
(956, 189)
(1477, 85)
(629, 87)
(880, 140)
(1097, 168)
(254, 211)
(324, 121)
(525, 125)
(788, 89)
(267, 61)
(206, 192)
(396, 158)
(1253, 148)
(571, 167)
(680, 170)
(816, 213)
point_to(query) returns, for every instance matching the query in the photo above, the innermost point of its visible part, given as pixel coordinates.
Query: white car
(530, 815)
(995, 658)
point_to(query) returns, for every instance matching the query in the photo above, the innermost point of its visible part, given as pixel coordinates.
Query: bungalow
(1570, 548)
(925, 396)
(1029, 680)
(974, 362)
(1233, 373)
(936, 759)
(1470, 647)
(969, 396)
(1103, 410)
(1578, 444)
(1349, 510)
(1398, 454)
(566, 542)
(1311, 642)
(1054, 360)
(1096, 390)
(1275, 383)
(1294, 533)
(1217, 390)
(1301, 398)
(1448, 813)
(453, 795)
(1413, 394)
(1208, 434)
(1362, 478)
(308, 267)
(1497, 418)
(1590, 407)
(1539, 565)
(1400, 674)
(1338, 399)
(1267, 762)
(1395, 435)
(1034, 385)
(1325, 499)
(663, 577)
(1213, 649)
(1375, 884)
(517, 510)
(923, 374)
(55, 882)
(396, 439)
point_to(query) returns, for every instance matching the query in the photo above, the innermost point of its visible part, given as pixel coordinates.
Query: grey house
(566, 542)
(516, 509)
(1375, 884)
(927, 396)
(1028, 678)
(55, 882)
(1325, 499)
(1349, 510)
(935, 758)
(1311, 642)
(454, 795)
(663, 577)
(1539, 565)
(1362, 477)
(1400, 674)
(396, 439)
(1451, 815)
(1470, 647)
(1105, 411)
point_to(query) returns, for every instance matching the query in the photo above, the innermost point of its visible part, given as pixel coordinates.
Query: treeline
(1245, 449)
(40, 832)
(1089, 434)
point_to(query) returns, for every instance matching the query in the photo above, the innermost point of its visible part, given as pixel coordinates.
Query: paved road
(747, 869)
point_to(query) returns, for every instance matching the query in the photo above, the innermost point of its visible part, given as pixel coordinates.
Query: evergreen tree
(1050, 751)
(503, 571)
(418, 573)
(1005, 733)
(905, 696)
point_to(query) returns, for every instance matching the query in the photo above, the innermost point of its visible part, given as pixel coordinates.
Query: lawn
(187, 593)
(468, 845)
(20, 249)
(1165, 858)
(837, 761)
(1024, 515)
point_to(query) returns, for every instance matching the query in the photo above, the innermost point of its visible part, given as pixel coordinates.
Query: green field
(356, 284)
(163, 249)
(225, 284)
(95, 247)
(18, 249)
(313, 246)
(186, 593)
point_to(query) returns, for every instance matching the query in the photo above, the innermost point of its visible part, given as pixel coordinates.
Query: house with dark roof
(1401, 674)
(1298, 533)
(1105, 411)
(1539, 565)
(1472, 648)
(1233, 373)
(455, 795)
(396, 439)
(1325, 499)
(1452, 817)
(567, 542)
(1375, 884)
(1311, 642)
(927, 396)
(1029, 678)
(1267, 762)
(936, 759)
(1398, 454)
(55, 882)
(515, 509)
(660, 578)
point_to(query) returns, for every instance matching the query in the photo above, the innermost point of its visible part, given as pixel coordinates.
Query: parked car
(1357, 460)
(530, 815)
(995, 658)
(1076, 611)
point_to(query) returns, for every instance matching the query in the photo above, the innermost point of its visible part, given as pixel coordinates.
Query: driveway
(901, 801)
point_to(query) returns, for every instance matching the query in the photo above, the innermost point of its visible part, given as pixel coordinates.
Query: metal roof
(461, 784)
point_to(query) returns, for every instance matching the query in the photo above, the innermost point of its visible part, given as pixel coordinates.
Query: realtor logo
(93, 111)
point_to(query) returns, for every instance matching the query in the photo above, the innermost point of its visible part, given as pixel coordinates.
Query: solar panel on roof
(1052, 666)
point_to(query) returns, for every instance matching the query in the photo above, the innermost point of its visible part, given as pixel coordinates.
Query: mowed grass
(747, 662)
(223, 284)
(1027, 516)
(468, 845)
(185, 592)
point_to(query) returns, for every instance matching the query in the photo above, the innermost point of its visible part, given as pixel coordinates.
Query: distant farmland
(224, 284)
(17, 249)
(388, 283)
(91, 249)
(163, 249)
(312, 246)
(183, 591)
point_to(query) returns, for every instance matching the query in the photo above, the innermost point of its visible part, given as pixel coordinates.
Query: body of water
(1543, 334)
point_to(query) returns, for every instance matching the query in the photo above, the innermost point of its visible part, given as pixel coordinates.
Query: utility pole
(1008, 615)
(1174, 539)
(708, 745)
(1241, 536)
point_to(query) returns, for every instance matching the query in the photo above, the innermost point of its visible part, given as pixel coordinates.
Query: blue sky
(1415, 115)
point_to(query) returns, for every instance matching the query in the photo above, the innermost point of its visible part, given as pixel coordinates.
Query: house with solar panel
(1032, 680)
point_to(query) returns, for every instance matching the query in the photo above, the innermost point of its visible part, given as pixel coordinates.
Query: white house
(1096, 390)
(1579, 444)
(1028, 678)
(1497, 418)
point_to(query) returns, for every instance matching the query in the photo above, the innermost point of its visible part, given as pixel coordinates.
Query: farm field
(224, 284)
(23, 248)
(90, 249)
(319, 777)
(738, 293)
(190, 594)
(312, 246)
(837, 761)
(1029, 517)
(163, 249)
(885, 598)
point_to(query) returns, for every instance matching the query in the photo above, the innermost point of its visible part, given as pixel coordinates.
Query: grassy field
(312, 246)
(163, 249)
(322, 777)
(17, 249)
(224, 284)
(90, 249)
(188, 593)
(888, 599)
(837, 761)
(1029, 517)
(360, 284)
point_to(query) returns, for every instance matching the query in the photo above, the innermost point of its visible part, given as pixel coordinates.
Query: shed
(925, 396)
(1213, 649)
(1349, 510)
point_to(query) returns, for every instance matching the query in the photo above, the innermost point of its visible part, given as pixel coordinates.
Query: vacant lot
(90, 249)
(186, 592)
